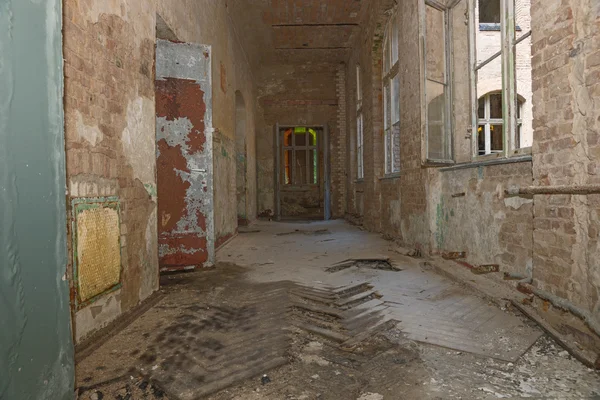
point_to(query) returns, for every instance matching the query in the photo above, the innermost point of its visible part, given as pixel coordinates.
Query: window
(502, 82)
(489, 11)
(489, 128)
(437, 87)
(360, 167)
(391, 96)
(300, 159)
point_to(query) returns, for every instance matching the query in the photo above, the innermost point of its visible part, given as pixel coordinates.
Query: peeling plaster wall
(110, 138)
(36, 349)
(208, 22)
(566, 148)
(469, 212)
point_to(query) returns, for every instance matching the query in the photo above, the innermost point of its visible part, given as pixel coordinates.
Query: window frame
(294, 148)
(510, 98)
(390, 72)
(360, 161)
(487, 121)
(448, 123)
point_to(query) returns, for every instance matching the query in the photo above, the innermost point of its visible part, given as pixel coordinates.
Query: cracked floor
(274, 305)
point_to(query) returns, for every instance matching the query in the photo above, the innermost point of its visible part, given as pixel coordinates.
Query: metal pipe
(560, 189)
(566, 305)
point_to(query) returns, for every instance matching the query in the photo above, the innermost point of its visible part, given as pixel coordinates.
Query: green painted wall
(36, 350)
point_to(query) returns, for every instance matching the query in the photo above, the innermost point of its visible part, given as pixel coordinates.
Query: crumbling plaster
(110, 125)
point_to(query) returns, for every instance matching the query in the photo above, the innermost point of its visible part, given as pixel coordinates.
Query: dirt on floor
(222, 334)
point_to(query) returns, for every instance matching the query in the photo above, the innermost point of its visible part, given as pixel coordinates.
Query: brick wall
(338, 149)
(566, 148)
(110, 131)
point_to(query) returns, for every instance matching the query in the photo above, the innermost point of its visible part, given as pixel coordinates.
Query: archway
(241, 164)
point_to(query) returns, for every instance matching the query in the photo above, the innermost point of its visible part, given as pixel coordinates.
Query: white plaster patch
(91, 134)
(516, 202)
(109, 307)
(138, 139)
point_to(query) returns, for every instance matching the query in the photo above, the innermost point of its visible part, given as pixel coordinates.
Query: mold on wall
(34, 291)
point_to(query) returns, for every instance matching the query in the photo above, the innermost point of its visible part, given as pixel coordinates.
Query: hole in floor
(381, 264)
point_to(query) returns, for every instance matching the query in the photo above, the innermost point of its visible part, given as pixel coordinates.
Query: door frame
(326, 170)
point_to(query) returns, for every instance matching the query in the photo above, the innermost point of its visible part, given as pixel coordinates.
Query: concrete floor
(274, 305)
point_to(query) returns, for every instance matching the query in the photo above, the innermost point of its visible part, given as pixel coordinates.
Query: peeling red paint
(171, 188)
(183, 98)
(182, 231)
(188, 250)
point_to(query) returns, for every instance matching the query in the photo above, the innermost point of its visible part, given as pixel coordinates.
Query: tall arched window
(490, 138)
(391, 95)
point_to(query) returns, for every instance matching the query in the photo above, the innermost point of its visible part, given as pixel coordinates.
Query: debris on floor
(361, 333)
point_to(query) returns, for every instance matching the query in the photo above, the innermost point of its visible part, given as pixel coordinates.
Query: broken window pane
(489, 11)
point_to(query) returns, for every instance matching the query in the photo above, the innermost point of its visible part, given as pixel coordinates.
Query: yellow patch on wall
(98, 251)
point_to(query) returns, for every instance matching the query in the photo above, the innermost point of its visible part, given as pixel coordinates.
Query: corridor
(299, 199)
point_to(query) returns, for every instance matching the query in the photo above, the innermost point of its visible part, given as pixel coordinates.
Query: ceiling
(296, 31)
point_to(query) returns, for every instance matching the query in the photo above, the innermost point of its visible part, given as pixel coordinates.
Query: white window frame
(510, 101)
(487, 122)
(360, 162)
(448, 122)
(391, 71)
